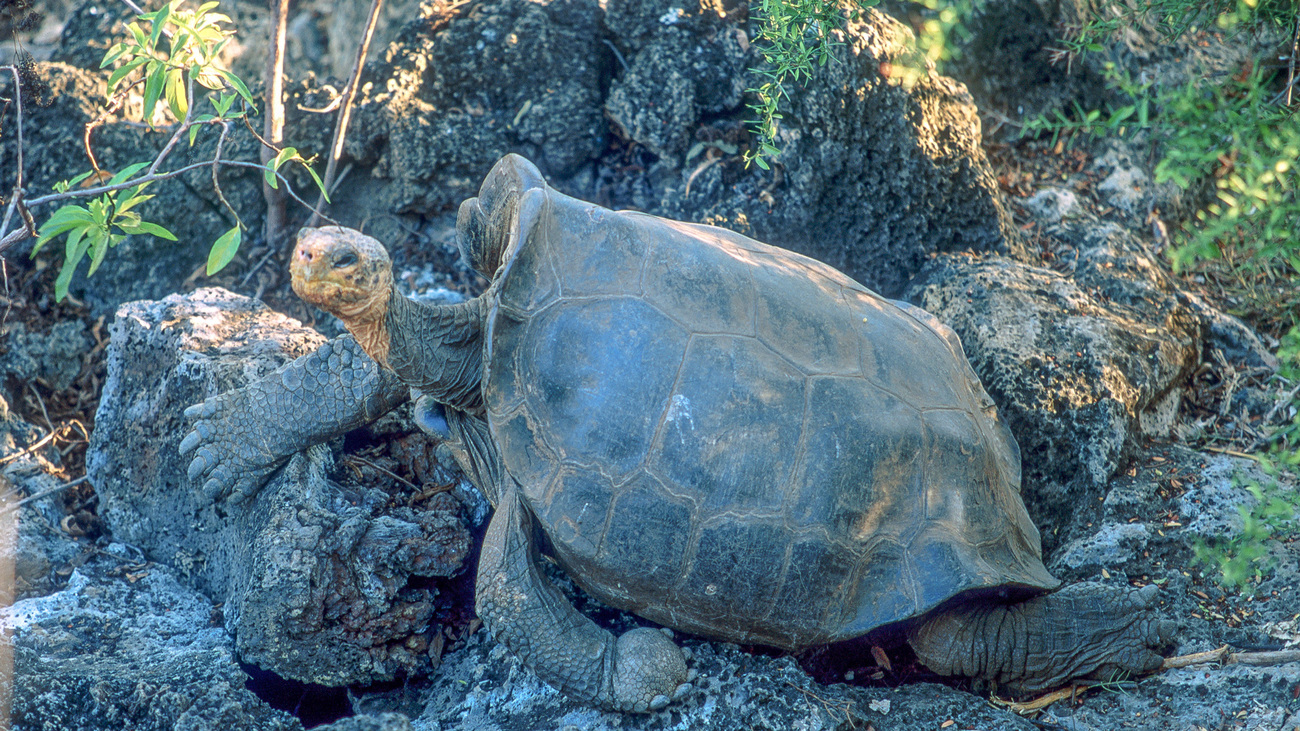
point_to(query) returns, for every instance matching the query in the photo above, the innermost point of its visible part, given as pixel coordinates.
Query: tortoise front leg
(241, 436)
(1084, 630)
(640, 671)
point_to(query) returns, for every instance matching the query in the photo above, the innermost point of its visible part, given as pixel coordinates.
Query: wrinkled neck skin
(435, 349)
(370, 327)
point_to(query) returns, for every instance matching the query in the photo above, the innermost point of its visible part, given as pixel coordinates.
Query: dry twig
(274, 126)
(345, 114)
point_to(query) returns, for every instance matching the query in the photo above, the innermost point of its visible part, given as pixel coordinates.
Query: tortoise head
(343, 272)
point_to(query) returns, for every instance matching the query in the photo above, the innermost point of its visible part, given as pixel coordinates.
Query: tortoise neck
(437, 349)
(370, 328)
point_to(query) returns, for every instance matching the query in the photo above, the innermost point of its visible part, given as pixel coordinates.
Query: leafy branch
(795, 37)
(180, 49)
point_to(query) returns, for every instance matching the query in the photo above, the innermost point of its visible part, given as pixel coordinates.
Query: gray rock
(881, 164)
(690, 67)
(1051, 205)
(435, 122)
(53, 357)
(134, 649)
(481, 687)
(319, 574)
(1212, 506)
(382, 722)
(1114, 544)
(1126, 186)
(31, 541)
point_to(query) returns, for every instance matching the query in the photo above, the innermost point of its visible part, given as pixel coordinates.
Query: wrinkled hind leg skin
(639, 672)
(484, 223)
(1085, 630)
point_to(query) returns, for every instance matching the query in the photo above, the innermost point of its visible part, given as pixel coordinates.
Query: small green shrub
(794, 37)
(1231, 133)
(180, 49)
(1242, 561)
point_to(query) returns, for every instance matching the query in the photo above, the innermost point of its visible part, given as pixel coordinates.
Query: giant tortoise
(721, 436)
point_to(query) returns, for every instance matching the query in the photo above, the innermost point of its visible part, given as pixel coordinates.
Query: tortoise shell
(737, 441)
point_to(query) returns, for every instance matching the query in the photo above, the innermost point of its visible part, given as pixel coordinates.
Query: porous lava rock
(323, 579)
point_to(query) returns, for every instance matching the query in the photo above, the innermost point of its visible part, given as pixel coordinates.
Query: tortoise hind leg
(1084, 630)
(640, 671)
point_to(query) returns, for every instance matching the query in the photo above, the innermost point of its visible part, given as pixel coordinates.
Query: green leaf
(159, 20)
(65, 219)
(153, 88)
(78, 178)
(114, 53)
(238, 86)
(269, 174)
(153, 229)
(72, 257)
(319, 184)
(287, 153)
(131, 202)
(65, 278)
(73, 249)
(175, 91)
(127, 172)
(98, 249)
(761, 163)
(137, 33)
(224, 250)
(1121, 114)
(120, 73)
(223, 102)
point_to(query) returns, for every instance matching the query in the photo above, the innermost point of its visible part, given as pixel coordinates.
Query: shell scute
(600, 374)
(732, 422)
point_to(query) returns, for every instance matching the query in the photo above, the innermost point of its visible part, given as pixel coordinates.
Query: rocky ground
(343, 594)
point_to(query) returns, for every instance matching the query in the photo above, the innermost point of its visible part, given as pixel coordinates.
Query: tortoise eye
(345, 260)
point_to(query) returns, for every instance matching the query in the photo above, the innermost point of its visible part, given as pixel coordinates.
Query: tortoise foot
(649, 671)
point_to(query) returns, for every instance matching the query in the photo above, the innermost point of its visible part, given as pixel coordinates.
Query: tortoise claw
(202, 462)
(659, 702)
(212, 490)
(190, 442)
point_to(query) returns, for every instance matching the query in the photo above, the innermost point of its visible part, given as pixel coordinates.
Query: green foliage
(1286, 440)
(794, 37)
(223, 250)
(181, 48)
(1231, 133)
(1173, 18)
(942, 20)
(194, 42)
(96, 227)
(1243, 560)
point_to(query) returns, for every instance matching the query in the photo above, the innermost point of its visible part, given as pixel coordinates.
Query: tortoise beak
(309, 268)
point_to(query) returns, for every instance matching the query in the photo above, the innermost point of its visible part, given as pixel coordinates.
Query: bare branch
(274, 126)
(16, 197)
(216, 166)
(349, 96)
